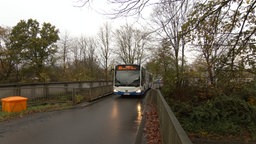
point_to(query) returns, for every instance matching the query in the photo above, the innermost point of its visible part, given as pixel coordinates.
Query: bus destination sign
(128, 67)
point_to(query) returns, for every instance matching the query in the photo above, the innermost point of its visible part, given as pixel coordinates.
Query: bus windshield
(127, 78)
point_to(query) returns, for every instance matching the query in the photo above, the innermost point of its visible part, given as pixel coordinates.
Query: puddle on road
(139, 114)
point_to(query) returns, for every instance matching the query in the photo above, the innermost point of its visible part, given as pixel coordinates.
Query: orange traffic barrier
(14, 104)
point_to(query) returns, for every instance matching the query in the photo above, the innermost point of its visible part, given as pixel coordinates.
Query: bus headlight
(115, 90)
(138, 91)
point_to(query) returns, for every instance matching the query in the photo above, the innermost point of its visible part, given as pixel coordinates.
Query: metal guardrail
(170, 128)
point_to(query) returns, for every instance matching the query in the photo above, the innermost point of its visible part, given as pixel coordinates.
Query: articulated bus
(131, 80)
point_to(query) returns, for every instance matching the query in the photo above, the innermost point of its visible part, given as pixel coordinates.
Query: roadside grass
(43, 105)
(59, 102)
(4, 116)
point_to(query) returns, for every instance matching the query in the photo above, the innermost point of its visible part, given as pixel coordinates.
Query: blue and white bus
(131, 79)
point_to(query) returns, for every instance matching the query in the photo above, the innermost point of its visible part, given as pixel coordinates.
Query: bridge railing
(89, 94)
(73, 92)
(170, 128)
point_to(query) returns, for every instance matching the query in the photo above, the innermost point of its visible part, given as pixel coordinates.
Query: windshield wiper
(118, 83)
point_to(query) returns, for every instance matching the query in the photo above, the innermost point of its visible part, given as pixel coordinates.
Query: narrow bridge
(97, 116)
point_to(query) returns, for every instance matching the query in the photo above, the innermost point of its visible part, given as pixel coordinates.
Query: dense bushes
(222, 115)
(219, 113)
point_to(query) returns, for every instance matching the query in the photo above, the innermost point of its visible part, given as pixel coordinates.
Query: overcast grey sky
(61, 13)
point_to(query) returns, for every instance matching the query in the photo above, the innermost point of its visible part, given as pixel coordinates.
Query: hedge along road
(111, 120)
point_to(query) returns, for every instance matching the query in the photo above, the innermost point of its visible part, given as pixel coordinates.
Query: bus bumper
(128, 93)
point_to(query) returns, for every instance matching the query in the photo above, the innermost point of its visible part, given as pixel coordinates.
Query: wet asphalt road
(111, 120)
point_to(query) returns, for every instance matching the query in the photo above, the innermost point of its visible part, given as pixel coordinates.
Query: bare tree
(104, 39)
(84, 65)
(65, 44)
(91, 53)
(122, 8)
(79, 65)
(80, 48)
(170, 16)
(131, 44)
